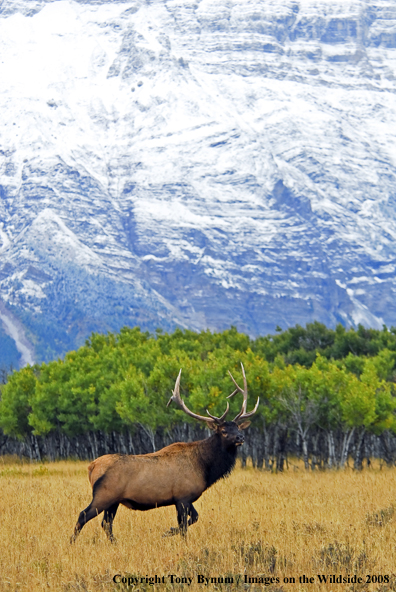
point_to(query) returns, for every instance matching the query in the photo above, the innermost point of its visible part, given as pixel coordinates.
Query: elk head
(229, 431)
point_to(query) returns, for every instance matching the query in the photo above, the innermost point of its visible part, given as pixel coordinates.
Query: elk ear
(211, 425)
(244, 425)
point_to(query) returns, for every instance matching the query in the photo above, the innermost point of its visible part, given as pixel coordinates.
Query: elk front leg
(107, 522)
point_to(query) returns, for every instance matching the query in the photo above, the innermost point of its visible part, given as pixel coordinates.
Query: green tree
(15, 404)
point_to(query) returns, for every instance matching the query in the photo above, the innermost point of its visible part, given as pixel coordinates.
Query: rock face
(200, 164)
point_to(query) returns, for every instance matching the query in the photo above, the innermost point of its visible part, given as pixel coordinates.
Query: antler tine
(176, 392)
(222, 418)
(245, 415)
(238, 388)
(245, 392)
(242, 414)
(234, 393)
(179, 401)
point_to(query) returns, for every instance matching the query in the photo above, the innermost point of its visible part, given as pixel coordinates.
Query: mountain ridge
(196, 165)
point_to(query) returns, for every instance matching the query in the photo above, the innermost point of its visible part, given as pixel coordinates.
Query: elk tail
(91, 467)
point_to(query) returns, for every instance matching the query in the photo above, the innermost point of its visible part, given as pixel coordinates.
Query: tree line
(326, 395)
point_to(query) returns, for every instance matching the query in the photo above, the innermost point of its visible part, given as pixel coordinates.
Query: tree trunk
(358, 460)
(267, 438)
(331, 460)
(345, 446)
(387, 447)
(304, 442)
(282, 450)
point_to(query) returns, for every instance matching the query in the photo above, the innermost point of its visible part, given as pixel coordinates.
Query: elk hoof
(171, 532)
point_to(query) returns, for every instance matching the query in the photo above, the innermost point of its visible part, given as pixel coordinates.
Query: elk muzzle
(239, 440)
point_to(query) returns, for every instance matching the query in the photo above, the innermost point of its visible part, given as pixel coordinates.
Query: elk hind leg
(182, 513)
(193, 515)
(107, 522)
(183, 509)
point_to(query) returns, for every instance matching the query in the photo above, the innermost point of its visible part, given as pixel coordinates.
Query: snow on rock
(196, 164)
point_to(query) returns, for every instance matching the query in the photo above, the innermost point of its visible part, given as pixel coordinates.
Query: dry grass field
(253, 525)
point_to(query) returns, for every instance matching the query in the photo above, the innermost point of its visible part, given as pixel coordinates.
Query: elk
(176, 475)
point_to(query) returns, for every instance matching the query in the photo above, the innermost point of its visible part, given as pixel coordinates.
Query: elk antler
(177, 399)
(242, 414)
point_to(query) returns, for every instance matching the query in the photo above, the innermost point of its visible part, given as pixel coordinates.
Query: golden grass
(254, 523)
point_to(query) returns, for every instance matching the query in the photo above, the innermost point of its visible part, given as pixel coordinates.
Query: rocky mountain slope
(165, 162)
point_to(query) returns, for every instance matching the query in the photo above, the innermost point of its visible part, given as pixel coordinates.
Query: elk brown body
(176, 475)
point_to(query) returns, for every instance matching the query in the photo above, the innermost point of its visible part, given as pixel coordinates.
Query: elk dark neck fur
(216, 460)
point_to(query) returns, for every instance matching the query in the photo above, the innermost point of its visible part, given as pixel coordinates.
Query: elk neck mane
(216, 461)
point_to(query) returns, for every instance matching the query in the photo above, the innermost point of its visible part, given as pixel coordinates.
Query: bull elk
(178, 474)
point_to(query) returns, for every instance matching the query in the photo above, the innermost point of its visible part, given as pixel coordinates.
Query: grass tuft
(257, 555)
(381, 518)
(343, 558)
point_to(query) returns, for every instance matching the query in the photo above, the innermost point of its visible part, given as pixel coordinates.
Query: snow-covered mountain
(194, 163)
